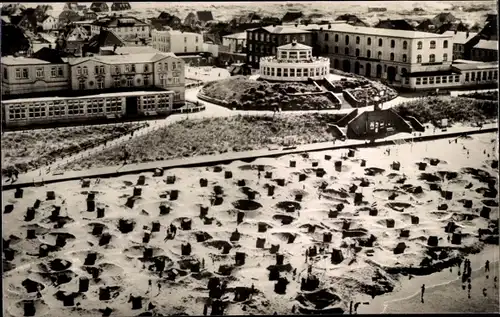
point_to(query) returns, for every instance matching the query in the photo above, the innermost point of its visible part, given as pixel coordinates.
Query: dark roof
(459, 27)
(446, 72)
(395, 25)
(120, 6)
(442, 18)
(118, 21)
(99, 7)
(351, 19)
(204, 16)
(51, 55)
(104, 38)
(291, 16)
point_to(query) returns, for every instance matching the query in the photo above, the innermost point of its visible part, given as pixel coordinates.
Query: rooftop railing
(285, 61)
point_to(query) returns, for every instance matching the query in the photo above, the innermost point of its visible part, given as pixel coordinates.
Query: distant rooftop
(281, 29)
(344, 27)
(12, 61)
(294, 46)
(126, 50)
(123, 59)
(475, 66)
(487, 45)
(237, 36)
(460, 37)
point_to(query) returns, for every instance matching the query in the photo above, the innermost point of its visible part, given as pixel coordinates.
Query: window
(445, 57)
(278, 72)
(484, 75)
(97, 69)
(346, 51)
(444, 79)
(285, 72)
(431, 80)
(404, 58)
(39, 72)
(368, 53)
(336, 37)
(472, 76)
(292, 55)
(347, 40)
(418, 81)
(336, 50)
(326, 36)
(369, 41)
(445, 44)
(495, 74)
(287, 38)
(419, 45)
(478, 76)
(379, 55)
(79, 70)
(81, 85)
(438, 80)
(85, 70)
(405, 45)
(132, 67)
(146, 68)
(53, 72)
(317, 71)
(467, 77)
(5, 73)
(117, 69)
(393, 44)
(185, 49)
(299, 72)
(419, 58)
(357, 52)
(284, 55)
(357, 39)
(185, 39)
(424, 81)
(392, 56)
(100, 84)
(432, 44)
(117, 82)
(380, 42)
(432, 58)
(292, 72)
(457, 78)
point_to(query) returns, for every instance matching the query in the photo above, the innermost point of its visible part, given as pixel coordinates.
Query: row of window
(268, 38)
(432, 44)
(294, 72)
(404, 58)
(131, 29)
(170, 80)
(437, 80)
(295, 55)
(481, 76)
(23, 73)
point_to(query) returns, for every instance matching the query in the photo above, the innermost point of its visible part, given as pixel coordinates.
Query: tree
(13, 40)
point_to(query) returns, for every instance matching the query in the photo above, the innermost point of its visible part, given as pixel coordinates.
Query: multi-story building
(294, 62)
(236, 43)
(22, 75)
(177, 42)
(485, 50)
(398, 56)
(460, 40)
(263, 41)
(49, 23)
(126, 27)
(136, 70)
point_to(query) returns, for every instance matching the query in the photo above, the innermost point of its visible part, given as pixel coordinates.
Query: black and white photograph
(249, 158)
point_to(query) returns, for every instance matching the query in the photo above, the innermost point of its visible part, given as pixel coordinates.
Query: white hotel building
(403, 58)
(294, 62)
(177, 42)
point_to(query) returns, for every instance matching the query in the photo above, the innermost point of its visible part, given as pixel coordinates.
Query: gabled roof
(400, 24)
(119, 21)
(237, 36)
(281, 30)
(99, 7)
(46, 18)
(205, 16)
(12, 61)
(104, 38)
(129, 50)
(487, 45)
(294, 46)
(460, 37)
(291, 16)
(51, 55)
(442, 18)
(474, 66)
(124, 59)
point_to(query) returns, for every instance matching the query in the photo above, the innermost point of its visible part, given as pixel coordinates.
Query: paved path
(110, 171)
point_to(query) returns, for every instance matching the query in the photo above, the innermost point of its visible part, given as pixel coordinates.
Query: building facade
(134, 71)
(177, 42)
(27, 75)
(460, 39)
(264, 41)
(394, 55)
(127, 27)
(486, 51)
(49, 23)
(294, 62)
(236, 43)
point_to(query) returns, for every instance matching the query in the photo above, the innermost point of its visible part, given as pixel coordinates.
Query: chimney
(467, 35)
(114, 48)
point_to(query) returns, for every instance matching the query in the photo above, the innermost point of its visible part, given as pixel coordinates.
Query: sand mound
(342, 193)
(399, 206)
(479, 174)
(138, 251)
(318, 300)
(285, 236)
(246, 205)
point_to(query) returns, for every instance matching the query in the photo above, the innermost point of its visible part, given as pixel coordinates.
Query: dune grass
(455, 109)
(28, 150)
(216, 135)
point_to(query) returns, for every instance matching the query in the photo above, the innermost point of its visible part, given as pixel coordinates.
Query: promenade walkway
(29, 179)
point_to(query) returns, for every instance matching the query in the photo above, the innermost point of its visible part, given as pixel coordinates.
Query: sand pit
(367, 226)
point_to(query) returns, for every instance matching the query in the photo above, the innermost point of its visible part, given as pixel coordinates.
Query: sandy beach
(312, 205)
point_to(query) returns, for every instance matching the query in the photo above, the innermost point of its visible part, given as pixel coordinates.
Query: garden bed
(28, 150)
(241, 93)
(455, 109)
(216, 135)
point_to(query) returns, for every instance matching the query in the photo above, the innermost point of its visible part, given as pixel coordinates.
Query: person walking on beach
(495, 281)
(487, 266)
(422, 293)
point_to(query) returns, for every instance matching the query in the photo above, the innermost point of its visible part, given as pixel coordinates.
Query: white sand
(188, 294)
